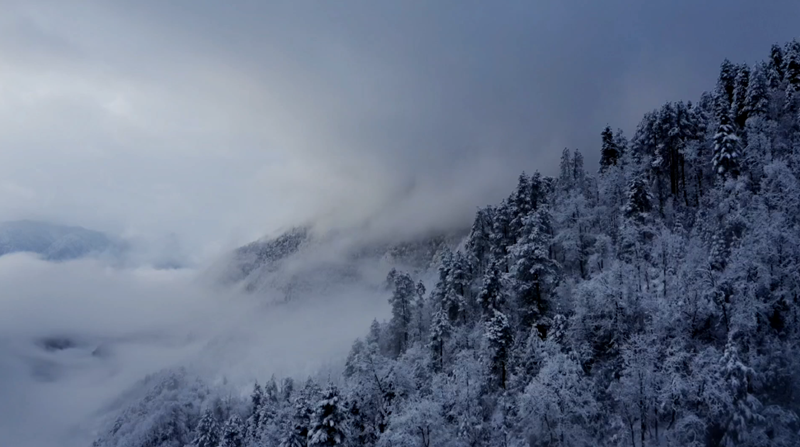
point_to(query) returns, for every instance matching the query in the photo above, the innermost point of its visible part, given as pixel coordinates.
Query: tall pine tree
(499, 336)
(609, 152)
(327, 423)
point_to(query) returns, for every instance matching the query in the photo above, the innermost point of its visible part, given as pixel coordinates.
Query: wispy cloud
(223, 121)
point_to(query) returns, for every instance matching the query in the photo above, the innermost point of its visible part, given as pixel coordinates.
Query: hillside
(54, 242)
(301, 260)
(652, 303)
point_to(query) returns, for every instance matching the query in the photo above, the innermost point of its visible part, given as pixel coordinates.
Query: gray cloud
(73, 344)
(221, 121)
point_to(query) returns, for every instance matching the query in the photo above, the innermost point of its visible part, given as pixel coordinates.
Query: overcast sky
(223, 120)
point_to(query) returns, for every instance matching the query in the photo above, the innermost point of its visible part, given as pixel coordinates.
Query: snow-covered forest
(650, 301)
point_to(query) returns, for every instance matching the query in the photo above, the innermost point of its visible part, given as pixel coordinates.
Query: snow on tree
(726, 149)
(257, 400)
(266, 429)
(458, 288)
(232, 434)
(390, 278)
(296, 431)
(519, 204)
(533, 273)
(287, 389)
(420, 422)
(327, 427)
(559, 406)
(639, 202)
(419, 317)
(374, 335)
(499, 335)
(461, 391)
(638, 390)
(775, 67)
(608, 306)
(792, 65)
(756, 97)
(744, 408)
(490, 297)
(207, 433)
(166, 415)
(402, 299)
(440, 332)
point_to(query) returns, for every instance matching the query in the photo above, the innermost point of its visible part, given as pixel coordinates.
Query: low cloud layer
(74, 336)
(223, 121)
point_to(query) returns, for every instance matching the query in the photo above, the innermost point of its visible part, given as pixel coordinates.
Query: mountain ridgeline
(654, 303)
(54, 242)
(301, 262)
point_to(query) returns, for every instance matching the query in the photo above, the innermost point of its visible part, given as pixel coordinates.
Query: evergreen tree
(271, 392)
(744, 408)
(390, 278)
(609, 152)
(261, 426)
(502, 236)
(533, 272)
(726, 149)
(443, 283)
(440, 332)
(327, 423)
(726, 84)
(374, 335)
(792, 65)
(490, 297)
(661, 143)
(311, 391)
(402, 305)
(458, 286)
(287, 389)
(538, 190)
(480, 238)
(557, 408)
(739, 105)
(499, 336)
(519, 204)
(578, 172)
(565, 179)
(256, 403)
(296, 431)
(418, 319)
(232, 432)
(775, 67)
(621, 143)
(639, 202)
(207, 431)
(756, 100)
(646, 138)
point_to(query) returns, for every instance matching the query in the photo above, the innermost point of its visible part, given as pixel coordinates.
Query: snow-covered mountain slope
(301, 260)
(55, 242)
(653, 303)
